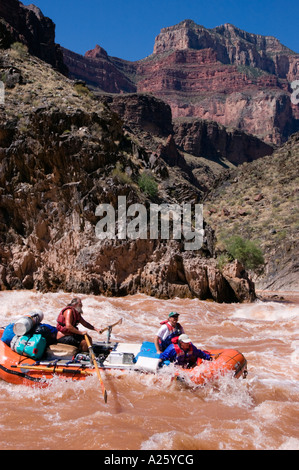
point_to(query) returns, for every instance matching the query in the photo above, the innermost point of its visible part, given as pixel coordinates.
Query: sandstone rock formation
(224, 74)
(98, 69)
(63, 156)
(64, 150)
(48, 219)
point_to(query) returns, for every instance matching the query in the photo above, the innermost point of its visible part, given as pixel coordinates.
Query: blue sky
(127, 28)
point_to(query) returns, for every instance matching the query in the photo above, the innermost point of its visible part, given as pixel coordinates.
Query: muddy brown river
(143, 412)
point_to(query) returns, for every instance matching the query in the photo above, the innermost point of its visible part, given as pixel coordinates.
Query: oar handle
(111, 326)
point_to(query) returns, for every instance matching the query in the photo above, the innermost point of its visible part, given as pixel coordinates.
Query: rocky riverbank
(65, 148)
(63, 152)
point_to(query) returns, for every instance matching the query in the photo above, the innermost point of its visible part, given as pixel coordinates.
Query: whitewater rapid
(144, 413)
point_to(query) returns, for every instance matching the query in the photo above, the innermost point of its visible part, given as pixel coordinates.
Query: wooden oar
(58, 370)
(93, 359)
(109, 328)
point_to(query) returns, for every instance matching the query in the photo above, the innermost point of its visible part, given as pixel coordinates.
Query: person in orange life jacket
(67, 323)
(184, 353)
(170, 328)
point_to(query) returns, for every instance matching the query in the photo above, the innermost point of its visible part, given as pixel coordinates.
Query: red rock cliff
(223, 74)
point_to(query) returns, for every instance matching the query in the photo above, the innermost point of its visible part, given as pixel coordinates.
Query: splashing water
(150, 413)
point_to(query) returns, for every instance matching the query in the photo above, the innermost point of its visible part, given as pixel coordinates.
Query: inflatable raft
(62, 361)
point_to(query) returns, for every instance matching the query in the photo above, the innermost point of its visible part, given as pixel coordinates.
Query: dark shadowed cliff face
(28, 25)
(62, 153)
(259, 200)
(215, 142)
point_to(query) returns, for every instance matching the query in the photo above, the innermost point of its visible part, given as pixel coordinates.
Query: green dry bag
(31, 346)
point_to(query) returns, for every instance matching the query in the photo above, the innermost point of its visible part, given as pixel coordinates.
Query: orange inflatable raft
(225, 361)
(21, 370)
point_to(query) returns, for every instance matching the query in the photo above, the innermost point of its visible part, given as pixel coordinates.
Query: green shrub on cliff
(246, 251)
(148, 184)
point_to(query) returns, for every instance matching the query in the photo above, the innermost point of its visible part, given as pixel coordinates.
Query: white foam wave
(267, 311)
(290, 443)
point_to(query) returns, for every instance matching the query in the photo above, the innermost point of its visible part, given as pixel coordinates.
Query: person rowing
(67, 326)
